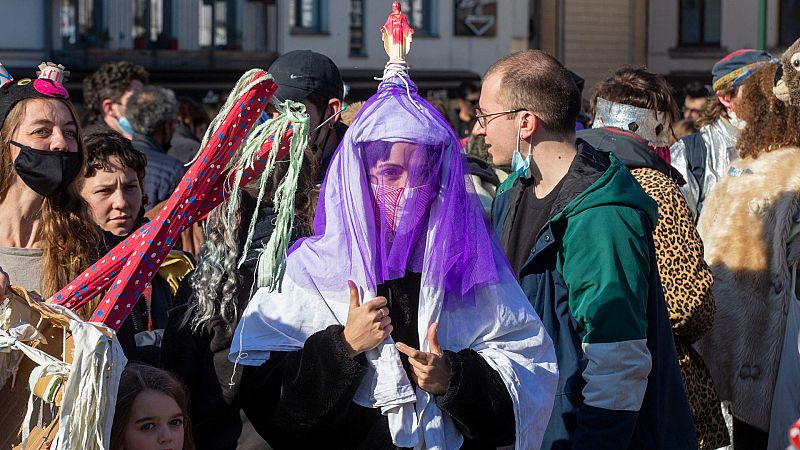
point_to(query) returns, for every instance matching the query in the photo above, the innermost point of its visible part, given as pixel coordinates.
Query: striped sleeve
(605, 262)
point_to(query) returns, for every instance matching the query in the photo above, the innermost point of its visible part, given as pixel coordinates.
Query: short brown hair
(110, 81)
(192, 113)
(535, 81)
(101, 146)
(636, 86)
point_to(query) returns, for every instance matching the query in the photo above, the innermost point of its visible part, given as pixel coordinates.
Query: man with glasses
(576, 228)
(695, 95)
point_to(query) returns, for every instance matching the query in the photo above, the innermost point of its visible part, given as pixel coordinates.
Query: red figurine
(396, 33)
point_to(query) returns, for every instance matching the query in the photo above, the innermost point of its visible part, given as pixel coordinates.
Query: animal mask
(787, 77)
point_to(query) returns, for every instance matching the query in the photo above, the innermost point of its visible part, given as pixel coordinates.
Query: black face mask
(318, 138)
(44, 171)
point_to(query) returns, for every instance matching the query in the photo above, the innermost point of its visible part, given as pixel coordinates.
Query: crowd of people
(529, 269)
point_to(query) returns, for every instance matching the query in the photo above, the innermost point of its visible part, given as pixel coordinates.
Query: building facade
(592, 38)
(191, 45)
(686, 37)
(454, 40)
(196, 45)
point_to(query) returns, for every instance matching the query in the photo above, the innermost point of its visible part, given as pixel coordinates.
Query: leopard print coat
(687, 281)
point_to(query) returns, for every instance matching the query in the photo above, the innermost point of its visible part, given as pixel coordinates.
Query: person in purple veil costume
(433, 345)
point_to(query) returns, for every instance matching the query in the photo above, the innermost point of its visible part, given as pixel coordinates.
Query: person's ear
(726, 98)
(335, 105)
(108, 107)
(529, 124)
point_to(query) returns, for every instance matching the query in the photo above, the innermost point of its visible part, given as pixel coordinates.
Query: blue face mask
(124, 125)
(520, 165)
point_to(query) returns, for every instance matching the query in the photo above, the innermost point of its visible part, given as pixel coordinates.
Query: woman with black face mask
(46, 235)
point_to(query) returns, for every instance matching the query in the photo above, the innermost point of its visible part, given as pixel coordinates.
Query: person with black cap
(46, 234)
(313, 79)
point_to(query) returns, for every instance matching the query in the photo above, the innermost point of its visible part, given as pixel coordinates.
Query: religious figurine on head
(396, 34)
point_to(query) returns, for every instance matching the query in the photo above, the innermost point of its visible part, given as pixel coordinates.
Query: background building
(686, 37)
(193, 45)
(592, 38)
(196, 45)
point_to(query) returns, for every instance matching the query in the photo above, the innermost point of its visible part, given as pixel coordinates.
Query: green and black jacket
(592, 279)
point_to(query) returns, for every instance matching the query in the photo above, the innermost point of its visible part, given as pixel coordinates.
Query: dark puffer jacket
(163, 172)
(201, 358)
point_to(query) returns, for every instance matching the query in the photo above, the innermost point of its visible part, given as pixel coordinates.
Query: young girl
(151, 412)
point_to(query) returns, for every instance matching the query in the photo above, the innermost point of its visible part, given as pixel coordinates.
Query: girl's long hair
(70, 240)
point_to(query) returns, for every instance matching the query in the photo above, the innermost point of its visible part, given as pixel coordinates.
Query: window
(217, 27)
(476, 18)
(82, 24)
(259, 26)
(700, 22)
(789, 21)
(308, 16)
(423, 16)
(357, 44)
(152, 21)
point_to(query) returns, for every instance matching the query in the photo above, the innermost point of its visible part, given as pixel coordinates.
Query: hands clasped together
(369, 324)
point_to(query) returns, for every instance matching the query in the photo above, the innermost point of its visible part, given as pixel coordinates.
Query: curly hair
(149, 108)
(110, 81)
(476, 146)
(771, 124)
(64, 215)
(216, 281)
(138, 378)
(101, 146)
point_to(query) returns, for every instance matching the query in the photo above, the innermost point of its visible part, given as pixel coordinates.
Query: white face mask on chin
(738, 123)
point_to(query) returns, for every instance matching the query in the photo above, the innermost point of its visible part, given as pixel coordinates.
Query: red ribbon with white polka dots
(129, 267)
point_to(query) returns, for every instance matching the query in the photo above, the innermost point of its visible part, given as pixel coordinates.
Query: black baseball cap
(301, 72)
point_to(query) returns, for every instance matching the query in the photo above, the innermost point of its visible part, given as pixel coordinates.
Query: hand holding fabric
(368, 324)
(429, 370)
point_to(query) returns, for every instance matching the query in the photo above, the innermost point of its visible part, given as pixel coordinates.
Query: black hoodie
(201, 358)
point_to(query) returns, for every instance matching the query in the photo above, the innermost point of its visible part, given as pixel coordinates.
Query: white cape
(502, 327)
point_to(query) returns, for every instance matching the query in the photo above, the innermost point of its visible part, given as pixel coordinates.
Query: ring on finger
(383, 313)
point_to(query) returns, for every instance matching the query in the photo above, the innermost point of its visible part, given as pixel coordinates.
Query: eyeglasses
(481, 118)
